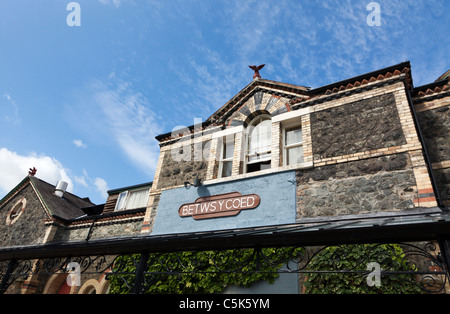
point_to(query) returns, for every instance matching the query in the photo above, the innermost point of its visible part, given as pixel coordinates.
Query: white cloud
(79, 143)
(132, 123)
(99, 184)
(116, 3)
(14, 168)
(101, 187)
(81, 180)
(11, 110)
(315, 44)
(128, 123)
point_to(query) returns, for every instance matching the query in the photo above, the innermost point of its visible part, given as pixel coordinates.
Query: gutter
(425, 153)
(101, 216)
(392, 68)
(430, 85)
(132, 187)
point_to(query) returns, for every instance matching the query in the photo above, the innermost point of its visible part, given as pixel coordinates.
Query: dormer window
(259, 144)
(132, 199)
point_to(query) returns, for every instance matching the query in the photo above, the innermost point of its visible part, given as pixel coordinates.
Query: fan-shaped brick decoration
(260, 103)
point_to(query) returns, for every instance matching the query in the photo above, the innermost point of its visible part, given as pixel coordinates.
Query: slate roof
(444, 76)
(67, 207)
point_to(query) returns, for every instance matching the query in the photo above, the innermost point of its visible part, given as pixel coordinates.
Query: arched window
(259, 144)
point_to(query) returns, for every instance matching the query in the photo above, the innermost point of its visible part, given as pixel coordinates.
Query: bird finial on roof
(256, 69)
(32, 172)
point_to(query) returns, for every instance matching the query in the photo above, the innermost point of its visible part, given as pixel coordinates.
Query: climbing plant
(333, 270)
(339, 259)
(200, 272)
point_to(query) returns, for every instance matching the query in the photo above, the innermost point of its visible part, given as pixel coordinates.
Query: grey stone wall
(101, 230)
(175, 172)
(443, 183)
(356, 127)
(376, 184)
(435, 126)
(29, 229)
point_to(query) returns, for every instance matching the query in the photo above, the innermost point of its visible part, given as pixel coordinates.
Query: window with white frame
(132, 199)
(259, 144)
(293, 145)
(226, 156)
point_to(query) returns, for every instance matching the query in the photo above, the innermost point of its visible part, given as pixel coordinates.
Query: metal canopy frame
(416, 226)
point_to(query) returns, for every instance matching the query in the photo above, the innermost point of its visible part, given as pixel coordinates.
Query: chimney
(61, 187)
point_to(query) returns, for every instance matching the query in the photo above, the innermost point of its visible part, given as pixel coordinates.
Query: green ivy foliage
(244, 268)
(356, 257)
(197, 272)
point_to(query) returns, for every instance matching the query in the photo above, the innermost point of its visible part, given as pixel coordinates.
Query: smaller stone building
(36, 212)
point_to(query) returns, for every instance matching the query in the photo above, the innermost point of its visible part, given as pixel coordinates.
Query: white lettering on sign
(219, 206)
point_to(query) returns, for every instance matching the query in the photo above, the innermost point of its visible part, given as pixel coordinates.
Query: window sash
(132, 199)
(121, 201)
(293, 136)
(227, 167)
(228, 149)
(137, 199)
(294, 155)
(259, 157)
(227, 154)
(259, 141)
(293, 145)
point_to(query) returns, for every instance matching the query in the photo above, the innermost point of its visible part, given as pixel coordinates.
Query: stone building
(36, 212)
(274, 154)
(362, 146)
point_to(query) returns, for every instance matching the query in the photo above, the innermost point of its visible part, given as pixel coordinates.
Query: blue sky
(84, 103)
